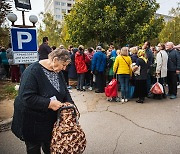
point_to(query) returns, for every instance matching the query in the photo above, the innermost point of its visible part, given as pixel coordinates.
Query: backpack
(67, 135)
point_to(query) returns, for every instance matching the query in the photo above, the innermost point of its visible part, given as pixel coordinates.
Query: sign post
(24, 45)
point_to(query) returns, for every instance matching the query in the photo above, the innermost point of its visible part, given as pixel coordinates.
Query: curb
(5, 124)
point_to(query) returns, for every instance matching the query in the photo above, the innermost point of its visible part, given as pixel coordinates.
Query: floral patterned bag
(67, 136)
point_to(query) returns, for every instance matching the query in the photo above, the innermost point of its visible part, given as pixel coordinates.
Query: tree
(171, 31)
(50, 28)
(122, 21)
(5, 8)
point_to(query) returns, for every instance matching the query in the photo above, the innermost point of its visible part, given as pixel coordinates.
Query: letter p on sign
(24, 39)
(21, 40)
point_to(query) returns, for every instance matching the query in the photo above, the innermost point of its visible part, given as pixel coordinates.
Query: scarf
(141, 54)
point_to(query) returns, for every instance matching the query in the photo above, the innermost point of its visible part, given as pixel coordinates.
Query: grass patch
(7, 90)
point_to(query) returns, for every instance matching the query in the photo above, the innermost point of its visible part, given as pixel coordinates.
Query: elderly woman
(161, 68)
(140, 80)
(122, 67)
(42, 92)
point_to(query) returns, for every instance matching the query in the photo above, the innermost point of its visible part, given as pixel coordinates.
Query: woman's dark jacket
(143, 69)
(32, 120)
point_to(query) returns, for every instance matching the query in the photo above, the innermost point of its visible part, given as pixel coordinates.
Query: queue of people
(94, 68)
(100, 66)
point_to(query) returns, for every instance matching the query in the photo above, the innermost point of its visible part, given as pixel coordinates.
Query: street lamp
(13, 17)
(33, 19)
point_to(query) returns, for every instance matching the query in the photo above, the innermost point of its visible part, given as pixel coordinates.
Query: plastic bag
(157, 88)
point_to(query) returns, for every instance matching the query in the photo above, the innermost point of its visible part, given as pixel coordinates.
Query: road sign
(24, 45)
(24, 39)
(25, 57)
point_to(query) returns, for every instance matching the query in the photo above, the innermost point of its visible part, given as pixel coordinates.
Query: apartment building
(58, 8)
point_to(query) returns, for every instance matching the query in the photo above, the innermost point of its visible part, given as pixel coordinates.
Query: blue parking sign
(24, 39)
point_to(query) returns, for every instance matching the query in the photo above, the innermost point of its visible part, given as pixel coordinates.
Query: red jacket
(80, 62)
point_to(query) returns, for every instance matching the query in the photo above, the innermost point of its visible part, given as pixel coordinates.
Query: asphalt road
(113, 127)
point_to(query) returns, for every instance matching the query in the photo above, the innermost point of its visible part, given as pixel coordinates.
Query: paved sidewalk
(6, 113)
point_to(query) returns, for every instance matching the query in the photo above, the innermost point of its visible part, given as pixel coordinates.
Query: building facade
(58, 8)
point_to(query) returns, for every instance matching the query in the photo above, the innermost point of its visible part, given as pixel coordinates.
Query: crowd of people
(137, 66)
(95, 68)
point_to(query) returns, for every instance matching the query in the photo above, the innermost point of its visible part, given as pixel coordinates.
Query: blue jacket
(173, 60)
(113, 53)
(98, 62)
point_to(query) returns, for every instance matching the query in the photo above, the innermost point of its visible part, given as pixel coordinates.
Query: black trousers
(35, 147)
(100, 81)
(172, 82)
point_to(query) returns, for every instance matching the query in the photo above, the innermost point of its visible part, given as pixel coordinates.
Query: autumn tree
(171, 31)
(122, 21)
(50, 28)
(5, 8)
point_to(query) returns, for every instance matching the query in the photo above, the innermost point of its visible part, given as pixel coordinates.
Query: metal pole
(23, 18)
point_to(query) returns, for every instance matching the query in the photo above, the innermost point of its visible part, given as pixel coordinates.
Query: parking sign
(24, 39)
(24, 45)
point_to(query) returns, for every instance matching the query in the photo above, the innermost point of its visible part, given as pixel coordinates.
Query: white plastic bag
(157, 88)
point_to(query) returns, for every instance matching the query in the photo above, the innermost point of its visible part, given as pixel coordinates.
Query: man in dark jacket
(98, 66)
(44, 49)
(173, 68)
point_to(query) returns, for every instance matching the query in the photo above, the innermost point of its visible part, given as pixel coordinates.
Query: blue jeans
(124, 81)
(80, 81)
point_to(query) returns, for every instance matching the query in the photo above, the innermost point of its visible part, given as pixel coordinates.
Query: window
(57, 9)
(69, 4)
(63, 11)
(69, 11)
(58, 16)
(63, 4)
(57, 3)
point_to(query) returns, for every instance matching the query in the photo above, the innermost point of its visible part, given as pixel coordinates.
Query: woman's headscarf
(141, 54)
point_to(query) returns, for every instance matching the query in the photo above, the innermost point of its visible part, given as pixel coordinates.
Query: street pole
(23, 17)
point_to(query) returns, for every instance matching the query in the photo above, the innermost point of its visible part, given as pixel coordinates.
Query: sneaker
(126, 100)
(122, 100)
(90, 88)
(84, 87)
(178, 86)
(173, 97)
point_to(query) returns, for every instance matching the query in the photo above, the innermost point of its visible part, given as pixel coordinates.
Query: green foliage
(5, 8)
(121, 21)
(50, 28)
(4, 37)
(171, 31)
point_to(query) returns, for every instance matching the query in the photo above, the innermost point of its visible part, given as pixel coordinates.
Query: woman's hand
(54, 105)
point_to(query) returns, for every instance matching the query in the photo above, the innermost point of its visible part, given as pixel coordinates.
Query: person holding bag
(123, 63)
(161, 68)
(140, 80)
(42, 92)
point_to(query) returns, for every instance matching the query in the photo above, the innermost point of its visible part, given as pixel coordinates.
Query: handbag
(67, 135)
(157, 88)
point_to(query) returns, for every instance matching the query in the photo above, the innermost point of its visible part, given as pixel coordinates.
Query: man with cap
(98, 67)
